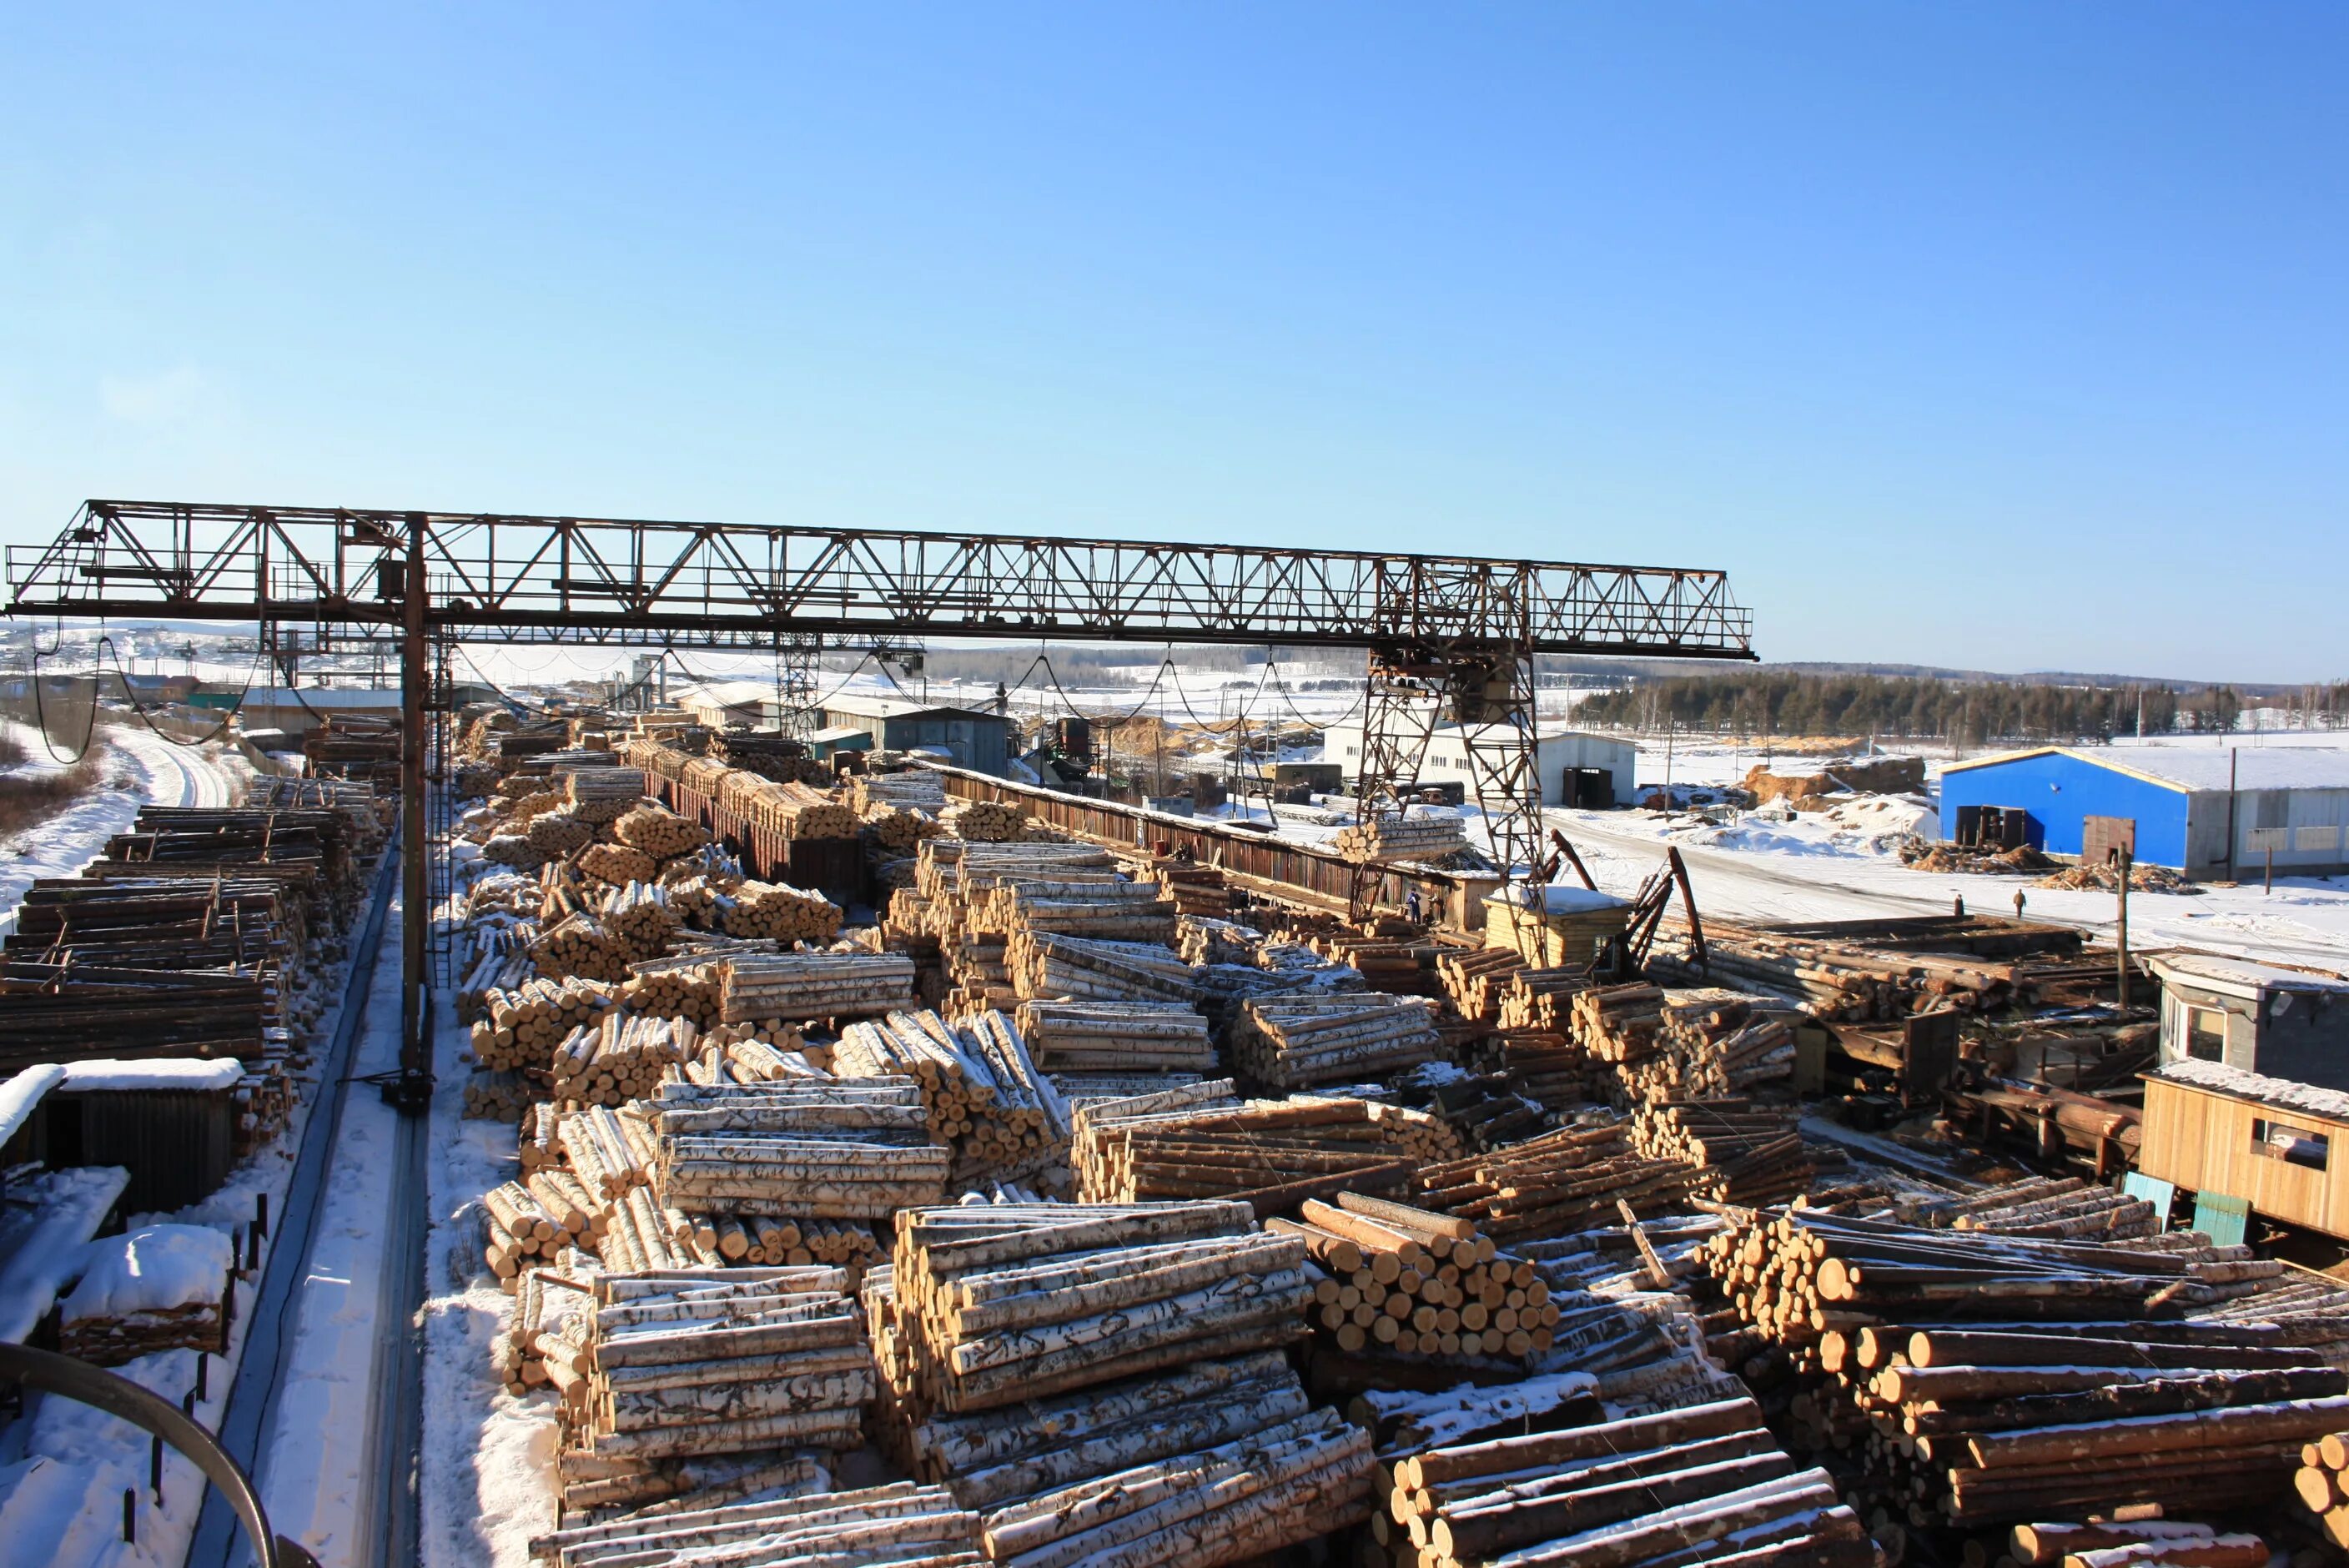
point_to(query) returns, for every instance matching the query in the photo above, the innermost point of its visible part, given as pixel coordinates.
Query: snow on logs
(801, 987)
(1292, 1041)
(816, 1149)
(1991, 1378)
(1613, 1493)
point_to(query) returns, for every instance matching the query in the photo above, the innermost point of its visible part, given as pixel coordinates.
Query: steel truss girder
(498, 577)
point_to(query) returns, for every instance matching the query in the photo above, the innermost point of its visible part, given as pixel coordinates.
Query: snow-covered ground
(140, 766)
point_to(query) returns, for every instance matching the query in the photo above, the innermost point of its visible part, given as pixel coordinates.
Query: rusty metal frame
(511, 578)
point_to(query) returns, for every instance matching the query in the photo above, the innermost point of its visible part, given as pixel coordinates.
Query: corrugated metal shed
(2281, 1147)
(2288, 802)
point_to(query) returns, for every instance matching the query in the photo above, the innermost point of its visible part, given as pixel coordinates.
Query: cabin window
(2293, 1145)
(2206, 1033)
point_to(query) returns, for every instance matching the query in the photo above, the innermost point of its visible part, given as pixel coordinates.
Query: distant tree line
(1973, 713)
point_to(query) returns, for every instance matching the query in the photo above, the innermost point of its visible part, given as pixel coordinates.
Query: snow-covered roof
(2333, 1104)
(838, 732)
(2200, 767)
(1564, 899)
(2242, 974)
(897, 707)
(725, 694)
(160, 1072)
(20, 1094)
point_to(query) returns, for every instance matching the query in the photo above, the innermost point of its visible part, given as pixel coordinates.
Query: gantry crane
(1448, 637)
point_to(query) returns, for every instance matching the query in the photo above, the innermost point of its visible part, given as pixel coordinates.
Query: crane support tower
(1453, 636)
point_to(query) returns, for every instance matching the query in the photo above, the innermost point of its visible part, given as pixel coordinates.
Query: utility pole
(2127, 864)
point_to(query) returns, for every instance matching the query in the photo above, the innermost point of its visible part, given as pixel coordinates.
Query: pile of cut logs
(2322, 1484)
(813, 1149)
(617, 865)
(1003, 1302)
(1665, 1487)
(1848, 982)
(1752, 1154)
(984, 821)
(780, 912)
(1562, 1182)
(520, 1029)
(1082, 1036)
(602, 794)
(1272, 1155)
(687, 986)
(1043, 964)
(663, 835)
(619, 1057)
(916, 789)
(1417, 1283)
(1291, 1041)
(582, 945)
(1477, 979)
(638, 913)
(794, 1517)
(1390, 836)
(1991, 1378)
(692, 1364)
(801, 986)
(1541, 999)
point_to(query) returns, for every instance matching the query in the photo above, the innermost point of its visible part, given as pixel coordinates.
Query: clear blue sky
(2001, 336)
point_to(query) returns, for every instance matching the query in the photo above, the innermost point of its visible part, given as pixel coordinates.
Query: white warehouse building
(1575, 765)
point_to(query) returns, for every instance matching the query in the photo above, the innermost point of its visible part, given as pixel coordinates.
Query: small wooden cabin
(1574, 926)
(2213, 1128)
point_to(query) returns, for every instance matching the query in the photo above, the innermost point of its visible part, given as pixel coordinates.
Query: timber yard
(798, 1125)
(1025, 785)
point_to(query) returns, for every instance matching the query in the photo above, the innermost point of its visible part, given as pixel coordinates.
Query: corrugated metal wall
(2059, 792)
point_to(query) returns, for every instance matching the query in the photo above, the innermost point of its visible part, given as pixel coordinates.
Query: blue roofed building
(2207, 811)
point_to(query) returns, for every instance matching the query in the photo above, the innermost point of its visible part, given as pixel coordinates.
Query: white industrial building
(1569, 761)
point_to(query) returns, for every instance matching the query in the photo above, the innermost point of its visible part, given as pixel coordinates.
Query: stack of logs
(2322, 1486)
(782, 913)
(1415, 1283)
(1559, 1183)
(1043, 964)
(663, 835)
(616, 865)
(655, 1366)
(619, 1057)
(801, 987)
(795, 1517)
(519, 1029)
(1389, 836)
(687, 986)
(984, 821)
(1752, 1154)
(1667, 1486)
(638, 913)
(1104, 1382)
(1091, 1036)
(1291, 1041)
(1991, 1378)
(1271, 1155)
(1541, 999)
(814, 1148)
